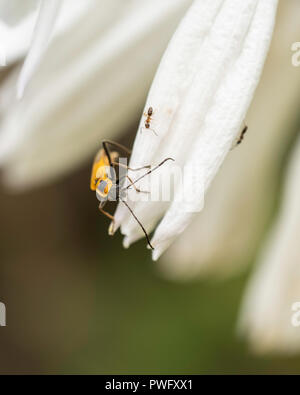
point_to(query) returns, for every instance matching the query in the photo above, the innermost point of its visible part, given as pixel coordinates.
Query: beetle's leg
(137, 189)
(148, 172)
(111, 217)
(132, 183)
(139, 222)
(129, 168)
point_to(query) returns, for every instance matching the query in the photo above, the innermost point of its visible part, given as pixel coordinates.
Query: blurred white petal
(267, 311)
(19, 18)
(16, 25)
(201, 94)
(225, 235)
(88, 86)
(44, 28)
(13, 11)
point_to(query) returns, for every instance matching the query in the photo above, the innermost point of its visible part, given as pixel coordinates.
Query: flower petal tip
(156, 254)
(112, 229)
(126, 242)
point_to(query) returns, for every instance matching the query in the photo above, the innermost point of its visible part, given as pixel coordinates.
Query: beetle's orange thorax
(99, 170)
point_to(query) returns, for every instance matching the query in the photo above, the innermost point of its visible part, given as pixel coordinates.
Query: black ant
(242, 135)
(240, 138)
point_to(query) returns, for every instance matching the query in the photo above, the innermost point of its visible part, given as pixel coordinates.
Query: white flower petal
(17, 24)
(87, 87)
(267, 310)
(224, 237)
(13, 11)
(231, 101)
(205, 113)
(174, 75)
(48, 13)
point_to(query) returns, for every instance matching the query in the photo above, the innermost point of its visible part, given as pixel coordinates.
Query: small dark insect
(148, 115)
(148, 120)
(109, 187)
(242, 135)
(238, 140)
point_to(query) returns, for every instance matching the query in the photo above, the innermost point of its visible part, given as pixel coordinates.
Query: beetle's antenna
(117, 145)
(148, 172)
(137, 220)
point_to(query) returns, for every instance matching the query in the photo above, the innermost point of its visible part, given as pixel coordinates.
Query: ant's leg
(111, 217)
(152, 130)
(137, 220)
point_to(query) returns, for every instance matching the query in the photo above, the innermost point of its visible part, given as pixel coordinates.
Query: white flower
(87, 83)
(224, 237)
(269, 311)
(87, 86)
(201, 93)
